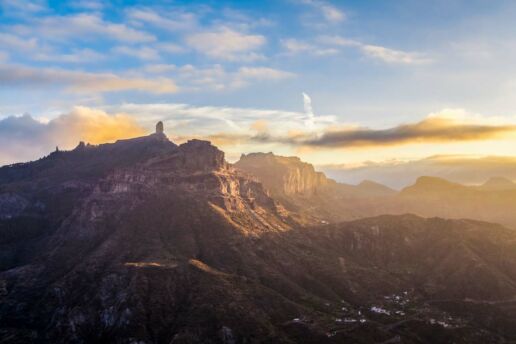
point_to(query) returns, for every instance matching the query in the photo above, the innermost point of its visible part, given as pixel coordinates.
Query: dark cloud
(432, 129)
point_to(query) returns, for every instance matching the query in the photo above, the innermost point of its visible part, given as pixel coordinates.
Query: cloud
(377, 52)
(169, 20)
(159, 68)
(84, 26)
(244, 75)
(8, 40)
(92, 5)
(216, 77)
(234, 129)
(307, 103)
(445, 127)
(394, 56)
(294, 46)
(75, 56)
(331, 13)
(170, 48)
(22, 6)
(80, 82)
(263, 73)
(187, 119)
(226, 44)
(304, 130)
(31, 48)
(26, 138)
(142, 53)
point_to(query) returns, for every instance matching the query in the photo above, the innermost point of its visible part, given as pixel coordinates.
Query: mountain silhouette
(146, 241)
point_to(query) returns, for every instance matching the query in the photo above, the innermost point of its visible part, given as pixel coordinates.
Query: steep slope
(130, 250)
(179, 247)
(301, 189)
(284, 176)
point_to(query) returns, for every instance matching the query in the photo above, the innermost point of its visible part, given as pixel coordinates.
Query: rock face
(303, 190)
(143, 241)
(284, 175)
(159, 128)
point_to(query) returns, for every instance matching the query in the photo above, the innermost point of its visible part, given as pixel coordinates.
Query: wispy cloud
(14, 42)
(263, 73)
(85, 26)
(329, 12)
(227, 44)
(216, 77)
(32, 48)
(394, 56)
(294, 46)
(75, 56)
(80, 82)
(431, 129)
(92, 5)
(384, 54)
(176, 20)
(142, 53)
(22, 6)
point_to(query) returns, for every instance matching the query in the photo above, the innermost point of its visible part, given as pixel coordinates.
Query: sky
(342, 84)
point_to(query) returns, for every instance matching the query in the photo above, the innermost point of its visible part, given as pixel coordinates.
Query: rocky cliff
(305, 191)
(284, 175)
(144, 241)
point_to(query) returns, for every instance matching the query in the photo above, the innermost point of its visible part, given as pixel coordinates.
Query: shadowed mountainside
(143, 241)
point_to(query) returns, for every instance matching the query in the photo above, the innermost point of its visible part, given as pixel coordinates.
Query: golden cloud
(95, 126)
(25, 138)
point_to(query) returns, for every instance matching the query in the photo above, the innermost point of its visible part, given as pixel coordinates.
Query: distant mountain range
(144, 241)
(304, 190)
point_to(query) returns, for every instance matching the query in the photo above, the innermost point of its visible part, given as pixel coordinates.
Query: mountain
(144, 241)
(301, 189)
(498, 184)
(430, 196)
(313, 198)
(284, 176)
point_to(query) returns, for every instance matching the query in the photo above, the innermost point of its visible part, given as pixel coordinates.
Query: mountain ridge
(175, 245)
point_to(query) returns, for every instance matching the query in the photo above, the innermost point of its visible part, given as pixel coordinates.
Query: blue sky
(235, 72)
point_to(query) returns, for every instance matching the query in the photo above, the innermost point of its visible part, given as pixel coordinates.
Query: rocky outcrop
(284, 175)
(316, 198)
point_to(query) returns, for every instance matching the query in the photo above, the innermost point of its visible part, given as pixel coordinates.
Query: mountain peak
(432, 185)
(159, 127)
(429, 180)
(498, 183)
